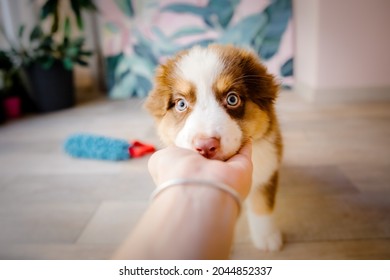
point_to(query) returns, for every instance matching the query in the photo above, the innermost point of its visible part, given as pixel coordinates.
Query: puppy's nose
(207, 146)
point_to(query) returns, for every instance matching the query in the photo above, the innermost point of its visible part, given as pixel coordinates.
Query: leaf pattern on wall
(278, 14)
(217, 13)
(287, 68)
(126, 7)
(146, 41)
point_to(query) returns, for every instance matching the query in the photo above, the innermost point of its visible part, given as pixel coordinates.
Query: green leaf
(5, 61)
(65, 42)
(78, 41)
(244, 31)
(21, 31)
(85, 53)
(287, 68)
(126, 7)
(36, 33)
(224, 11)
(82, 62)
(124, 88)
(217, 13)
(187, 31)
(279, 13)
(92, 6)
(47, 62)
(88, 5)
(111, 27)
(112, 63)
(188, 8)
(144, 85)
(46, 42)
(48, 8)
(137, 65)
(166, 45)
(67, 28)
(75, 4)
(68, 63)
(56, 19)
(71, 52)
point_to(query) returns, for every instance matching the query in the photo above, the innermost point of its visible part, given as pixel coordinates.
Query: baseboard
(347, 95)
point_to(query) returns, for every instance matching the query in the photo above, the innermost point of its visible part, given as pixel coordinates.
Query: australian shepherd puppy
(212, 100)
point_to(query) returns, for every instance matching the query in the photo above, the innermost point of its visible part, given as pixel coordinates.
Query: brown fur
(263, 197)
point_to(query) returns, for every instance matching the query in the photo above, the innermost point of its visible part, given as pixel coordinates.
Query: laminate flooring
(333, 200)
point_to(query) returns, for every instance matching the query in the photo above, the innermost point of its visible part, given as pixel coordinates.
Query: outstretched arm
(190, 221)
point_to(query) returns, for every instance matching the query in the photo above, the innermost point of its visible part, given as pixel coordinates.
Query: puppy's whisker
(252, 79)
(248, 78)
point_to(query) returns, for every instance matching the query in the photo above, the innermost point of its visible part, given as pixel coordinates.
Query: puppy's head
(212, 100)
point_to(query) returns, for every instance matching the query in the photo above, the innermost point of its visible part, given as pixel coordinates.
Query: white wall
(12, 15)
(342, 45)
(306, 15)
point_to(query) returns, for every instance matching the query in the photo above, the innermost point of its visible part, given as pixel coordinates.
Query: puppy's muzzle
(207, 146)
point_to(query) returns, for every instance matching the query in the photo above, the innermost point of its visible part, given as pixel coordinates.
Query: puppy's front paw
(269, 242)
(265, 235)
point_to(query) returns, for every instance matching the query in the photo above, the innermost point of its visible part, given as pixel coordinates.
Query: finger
(246, 150)
(167, 157)
(244, 154)
(153, 164)
(159, 158)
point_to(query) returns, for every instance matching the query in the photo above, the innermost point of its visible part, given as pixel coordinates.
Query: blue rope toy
(91, 146)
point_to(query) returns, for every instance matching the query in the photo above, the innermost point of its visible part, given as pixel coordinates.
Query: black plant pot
(53, 89)
(2, 111)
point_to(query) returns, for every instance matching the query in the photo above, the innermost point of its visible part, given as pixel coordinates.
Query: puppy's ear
(157, 103)
(262, 86)
(160, 98)
(267, 91)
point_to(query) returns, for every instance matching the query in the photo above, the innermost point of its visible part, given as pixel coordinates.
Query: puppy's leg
(265, 235)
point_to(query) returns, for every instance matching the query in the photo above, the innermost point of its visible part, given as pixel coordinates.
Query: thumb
(244, 154)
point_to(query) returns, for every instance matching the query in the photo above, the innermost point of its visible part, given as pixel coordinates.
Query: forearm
(184, 222)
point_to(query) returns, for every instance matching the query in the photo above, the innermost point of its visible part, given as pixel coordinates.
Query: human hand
(173, 162)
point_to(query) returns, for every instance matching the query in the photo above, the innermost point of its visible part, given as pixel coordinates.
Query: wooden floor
(333, 203)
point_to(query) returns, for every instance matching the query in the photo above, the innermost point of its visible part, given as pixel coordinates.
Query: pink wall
(306, 15)
(354, 43)
(342, 44)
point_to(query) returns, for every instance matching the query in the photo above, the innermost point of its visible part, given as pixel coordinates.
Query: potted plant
(49, 57)
(10, 103)
(50, 68)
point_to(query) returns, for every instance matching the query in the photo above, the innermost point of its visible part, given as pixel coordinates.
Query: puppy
(212, 100)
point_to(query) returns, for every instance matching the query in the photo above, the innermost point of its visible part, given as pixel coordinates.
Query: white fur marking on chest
(265, 162)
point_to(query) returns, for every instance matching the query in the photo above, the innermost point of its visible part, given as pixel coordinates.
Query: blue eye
(181, 105)
(232, 99)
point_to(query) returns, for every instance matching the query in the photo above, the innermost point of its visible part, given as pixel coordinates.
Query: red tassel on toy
(138, 149)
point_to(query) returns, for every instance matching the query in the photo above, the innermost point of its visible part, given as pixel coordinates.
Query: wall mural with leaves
(139, 34)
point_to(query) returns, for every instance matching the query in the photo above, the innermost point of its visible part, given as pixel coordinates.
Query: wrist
(200, 184)
(189, 221)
